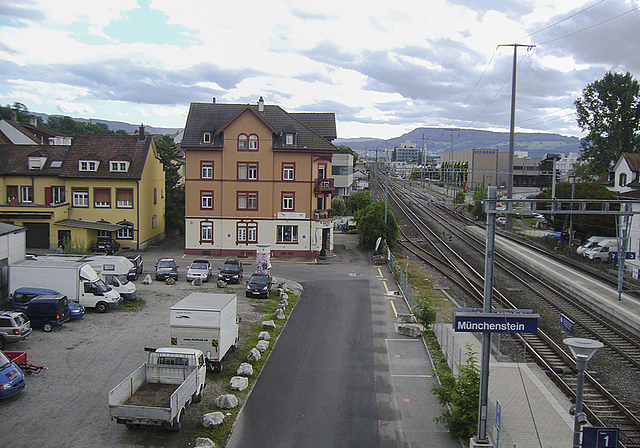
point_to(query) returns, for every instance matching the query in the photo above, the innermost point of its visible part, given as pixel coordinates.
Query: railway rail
(435, 244)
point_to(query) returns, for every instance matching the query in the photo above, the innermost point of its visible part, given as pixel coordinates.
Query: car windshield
(166, 264)
(102, 287)
(4, 360)
(259, 280)
(231, 267)
(198, 265)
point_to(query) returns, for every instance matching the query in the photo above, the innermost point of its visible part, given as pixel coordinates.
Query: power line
(564, 20)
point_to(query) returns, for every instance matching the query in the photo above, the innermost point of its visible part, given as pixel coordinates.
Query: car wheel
(102, 307)
(47, 327)
(3, 343)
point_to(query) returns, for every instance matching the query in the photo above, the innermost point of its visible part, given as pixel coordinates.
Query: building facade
(258, 175)
(99, 186)
(342, 171)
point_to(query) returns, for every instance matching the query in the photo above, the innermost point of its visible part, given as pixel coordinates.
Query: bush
(425, 313)
(338, 206)
(459, 398)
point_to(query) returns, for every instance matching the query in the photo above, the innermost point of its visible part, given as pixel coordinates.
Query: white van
(590, 244)
(602, 249)
(113, 270)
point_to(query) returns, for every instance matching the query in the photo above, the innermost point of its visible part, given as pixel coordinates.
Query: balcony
(321, 215)
(324, 185)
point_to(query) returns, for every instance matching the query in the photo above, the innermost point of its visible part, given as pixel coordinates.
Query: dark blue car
(11, 377)
(22, 296)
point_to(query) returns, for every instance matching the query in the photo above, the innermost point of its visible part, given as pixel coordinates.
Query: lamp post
(583, 350)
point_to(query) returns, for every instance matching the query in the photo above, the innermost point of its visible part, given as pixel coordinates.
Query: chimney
(261, 105)
(33, 121)
(214, 100)
(141, 135)
(14, 116)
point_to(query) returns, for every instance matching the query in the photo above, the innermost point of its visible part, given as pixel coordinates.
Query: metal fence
(402, 279)
(450, 347)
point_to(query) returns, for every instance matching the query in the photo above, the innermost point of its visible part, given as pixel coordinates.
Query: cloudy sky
(384, 67)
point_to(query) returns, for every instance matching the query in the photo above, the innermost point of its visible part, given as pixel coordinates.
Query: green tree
(609, 110)
(359, 200)
(338, 206)
(476, 208)
(20, 110)
(371, 226)
(584, 225)
(169, 155)
(459, 397)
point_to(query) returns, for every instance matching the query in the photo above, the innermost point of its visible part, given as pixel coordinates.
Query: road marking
(394, 308)
(413, 376)
(385, 286)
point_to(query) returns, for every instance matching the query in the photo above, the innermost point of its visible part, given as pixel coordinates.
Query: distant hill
(440, 140)
(117, 125)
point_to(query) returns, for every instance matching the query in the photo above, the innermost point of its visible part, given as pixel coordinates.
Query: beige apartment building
(490, 167)
(258, 175)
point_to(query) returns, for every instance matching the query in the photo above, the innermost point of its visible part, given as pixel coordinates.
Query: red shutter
(48, 195)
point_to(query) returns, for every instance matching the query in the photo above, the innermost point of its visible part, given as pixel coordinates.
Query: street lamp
(583, 350)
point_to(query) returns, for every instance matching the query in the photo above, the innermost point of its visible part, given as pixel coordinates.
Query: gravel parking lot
(67, 405)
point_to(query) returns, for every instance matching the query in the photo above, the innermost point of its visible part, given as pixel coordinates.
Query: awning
(92, 225)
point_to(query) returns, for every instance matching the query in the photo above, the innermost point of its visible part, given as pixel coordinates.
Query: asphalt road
(318, 388)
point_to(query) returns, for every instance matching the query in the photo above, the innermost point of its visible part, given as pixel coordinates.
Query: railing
(323, 214)
(324, 185)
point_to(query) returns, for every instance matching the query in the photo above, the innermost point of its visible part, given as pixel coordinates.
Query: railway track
(437, 247)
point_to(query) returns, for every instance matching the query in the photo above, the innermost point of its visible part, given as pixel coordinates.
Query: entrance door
(37, 235)
(63, 235)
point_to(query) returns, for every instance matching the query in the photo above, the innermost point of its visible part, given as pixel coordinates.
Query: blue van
(22, 296)
(48, 311)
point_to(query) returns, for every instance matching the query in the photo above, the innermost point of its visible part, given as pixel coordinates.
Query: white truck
(75, 279)
(112, 269)
(157, 392)
(208, 322)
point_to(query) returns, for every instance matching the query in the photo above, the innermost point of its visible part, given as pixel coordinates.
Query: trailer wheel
(179, 421)
(47, 327)
(102, 307)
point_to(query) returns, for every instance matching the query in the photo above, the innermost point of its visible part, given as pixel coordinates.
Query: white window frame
(280, 232)
(206, 231)
(206, 137)
(26, 194)
(58, 195)
(81, 198)
(125, 233)
(118, 166)
(206, 199)
(88, 165)
(207, 171)
(252, 171)
(287, 201)
(288, 172)
(288, 139)
(253, 142)
(252, 201)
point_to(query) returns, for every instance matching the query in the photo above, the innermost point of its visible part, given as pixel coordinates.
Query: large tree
(169, 154)
(609, 110)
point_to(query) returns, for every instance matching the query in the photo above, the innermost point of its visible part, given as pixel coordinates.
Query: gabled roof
(14, 159)
(633, 160)
(107, 148)
(219, 115)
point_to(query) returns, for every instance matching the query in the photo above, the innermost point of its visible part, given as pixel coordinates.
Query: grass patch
(134, 305)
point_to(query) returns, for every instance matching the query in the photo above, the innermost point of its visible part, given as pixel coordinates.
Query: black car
(48, 311)
(231, 271)
(108, 246)
(137, 268)
(259, 285)
(165, 268)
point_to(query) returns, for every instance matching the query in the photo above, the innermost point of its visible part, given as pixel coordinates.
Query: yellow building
(256, 174)
(99, 186)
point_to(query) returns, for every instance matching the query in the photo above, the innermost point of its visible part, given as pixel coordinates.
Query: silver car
(14, 326)
(199, 269)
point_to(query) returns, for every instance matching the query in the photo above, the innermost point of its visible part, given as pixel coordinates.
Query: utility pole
(508, 223)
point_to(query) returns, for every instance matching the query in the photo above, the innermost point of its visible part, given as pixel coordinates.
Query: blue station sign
(495, 322)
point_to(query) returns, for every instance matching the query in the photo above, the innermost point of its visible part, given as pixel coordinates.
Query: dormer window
(288, 139)
(116, 166)
(88, 165)
(206, 137)
(37, 163)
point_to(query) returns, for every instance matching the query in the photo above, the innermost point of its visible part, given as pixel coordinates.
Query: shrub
(459, 397)
(425, 313)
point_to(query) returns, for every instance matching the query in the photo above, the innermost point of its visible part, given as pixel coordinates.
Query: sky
(384, 67)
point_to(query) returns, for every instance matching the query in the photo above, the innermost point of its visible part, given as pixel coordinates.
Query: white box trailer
(75, 279)
(207, 322)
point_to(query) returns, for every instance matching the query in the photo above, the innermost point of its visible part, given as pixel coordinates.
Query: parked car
(106, 245)
(259, 285)
(14, 327)
(138, 267)
(165, 268)
(76, 311)
(11, 377)
(231, 271)
(199, 269)
(48, 311)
